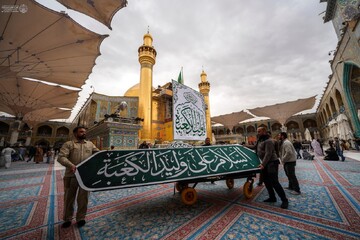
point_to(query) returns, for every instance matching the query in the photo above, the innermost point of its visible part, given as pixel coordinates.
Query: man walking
(7, 152)
(32, 152)
(339, 149)
(288, 159)
(71, 154)
(270, 166)
(297, 146)
(276, 147)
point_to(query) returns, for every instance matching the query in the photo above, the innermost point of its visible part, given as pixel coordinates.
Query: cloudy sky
(255, 53)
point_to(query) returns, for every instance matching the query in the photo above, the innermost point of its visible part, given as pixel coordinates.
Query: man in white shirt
(7, 155)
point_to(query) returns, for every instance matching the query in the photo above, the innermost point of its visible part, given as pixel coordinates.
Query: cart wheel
(230, 183)
(180, 186)
(189, 196)
(248, 190)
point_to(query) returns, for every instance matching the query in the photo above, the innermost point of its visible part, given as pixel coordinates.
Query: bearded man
(71, 154)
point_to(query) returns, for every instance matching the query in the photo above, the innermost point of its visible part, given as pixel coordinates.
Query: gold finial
(203, 75)
(148, 38)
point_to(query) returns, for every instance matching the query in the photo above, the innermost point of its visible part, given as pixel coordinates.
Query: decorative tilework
(302, 174)
(98, 198)
(23, 175)
(352, 177)
(20, 182)
(350, 166)
(248, 226)
(20, 193)
(150, 220)
(314, 201)
(14, 217)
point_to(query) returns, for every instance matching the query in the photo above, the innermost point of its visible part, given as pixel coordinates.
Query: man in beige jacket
(288, 159)
(71, 154)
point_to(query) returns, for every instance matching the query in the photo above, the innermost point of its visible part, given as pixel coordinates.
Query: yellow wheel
(188, 196)
(180, 186)
(230, 183)
(248, 190)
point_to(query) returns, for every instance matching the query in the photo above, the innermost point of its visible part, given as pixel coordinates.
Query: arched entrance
(292, 125)
(43, 143)
(339, 100)
(62, 132)
(351, 83)
(276, 127)
(309, 123)
(44, 130)
(239, 130)
(58, 144)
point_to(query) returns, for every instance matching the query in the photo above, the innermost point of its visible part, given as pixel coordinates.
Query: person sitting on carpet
(307, 155)
(331, 154)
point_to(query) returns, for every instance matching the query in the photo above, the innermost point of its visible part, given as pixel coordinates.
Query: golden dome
(134, 91)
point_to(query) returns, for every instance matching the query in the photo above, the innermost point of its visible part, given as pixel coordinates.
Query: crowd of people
(37, 154)
(272, 152)
(334, 152)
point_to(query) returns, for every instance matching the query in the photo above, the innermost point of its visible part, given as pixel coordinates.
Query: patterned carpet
(31, 205)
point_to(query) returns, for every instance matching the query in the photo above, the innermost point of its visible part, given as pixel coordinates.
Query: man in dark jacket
(297, 146)
(276, 147)
(32, 152)
(270, 166)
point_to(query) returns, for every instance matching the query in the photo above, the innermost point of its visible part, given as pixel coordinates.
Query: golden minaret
(204, 88)
(147, 56)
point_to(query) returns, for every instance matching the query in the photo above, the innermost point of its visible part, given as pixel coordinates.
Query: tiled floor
(31, 205)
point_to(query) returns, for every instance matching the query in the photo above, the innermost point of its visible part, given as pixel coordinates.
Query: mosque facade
(152, 107)
(341, 97)
(246, 131)
(155, 104)
(47, 134)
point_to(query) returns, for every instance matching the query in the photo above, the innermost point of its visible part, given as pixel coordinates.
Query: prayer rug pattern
(31, 207)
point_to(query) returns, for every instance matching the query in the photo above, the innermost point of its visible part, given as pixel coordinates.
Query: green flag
(180, 77)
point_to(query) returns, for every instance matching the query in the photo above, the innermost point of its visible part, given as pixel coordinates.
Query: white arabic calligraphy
(147, 165)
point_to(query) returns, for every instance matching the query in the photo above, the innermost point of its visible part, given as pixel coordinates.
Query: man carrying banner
(207, 142)
(71, 154)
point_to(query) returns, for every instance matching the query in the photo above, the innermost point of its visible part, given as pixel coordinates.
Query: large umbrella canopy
(232, 119)
(307, 135)
(44, 114)
(343, 128)
(333, 128)
(20, 96)
(40, 43)
(103, 10)
(283, 111)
